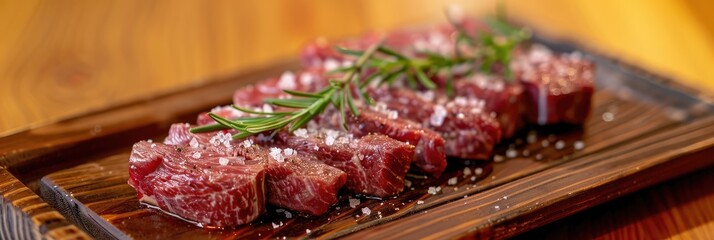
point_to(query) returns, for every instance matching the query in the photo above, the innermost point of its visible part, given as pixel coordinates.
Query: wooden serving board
(656, 132)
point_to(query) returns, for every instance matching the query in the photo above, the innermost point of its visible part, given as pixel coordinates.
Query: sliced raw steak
(558, 87)
(503, 98)
(430, 155)
(375, 164)
(295, 180)
(196, 187)
(469, 131)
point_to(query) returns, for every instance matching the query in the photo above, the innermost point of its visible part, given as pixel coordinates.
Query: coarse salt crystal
(267, 108)
(288, 214)
(276, 153)
(407, 183)
(366, 211)
(579, 145)
(478, 171)
(330, 64)
(511, 153)
(467, 171)
(247, 143)
(289, 152)
(287, 80)
(307, 78)
(559, 144)
(300, 132)
(354, 202)
(329, 140)
(545, 143)
(453, 181)
(193, 143)
(437, 117)
(473, 178)
(433, 190)
(498, 158)
(307, 231)
(153, 145)
(223, 161)
(196, 155)
(420, 202)
(275, 225)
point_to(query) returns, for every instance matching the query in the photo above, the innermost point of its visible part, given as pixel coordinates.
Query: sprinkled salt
(559, 144)
(407, 183)
(329, 140)
(545, 143)
(453, 181)
(433, 190)
(354, 202)
(288, 214)
(275, 225)
(223, 161)
(511, 153)
(498, 158)
(196, 155)
(153, 145)
(289, 152)
(608, 117)
(307, 78)
(467, 171)
(267, 108)
(579, 145)
(300, 132)
(150, 140)
(307, 231)
(478, 171)
(526, 153)
(496, 207)
(366, 211)
(287, 80)
(437, 117)
(330, 64)
(193, 143)
(247, 143)
(538, 156)
(276, 153)
(392, 115)
(473, 178)
(317, 148)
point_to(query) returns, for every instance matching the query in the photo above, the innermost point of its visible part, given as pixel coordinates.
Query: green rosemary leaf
(246, 110)
(241, 135)
(423, 79)
(449, 82)
(225, 122)
(302, 94)
(391, 52)
(291, 102)
(351, 104)
(208, 128)
(350, 52)
(341, 70)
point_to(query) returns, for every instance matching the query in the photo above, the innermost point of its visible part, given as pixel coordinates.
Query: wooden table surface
(63, 58)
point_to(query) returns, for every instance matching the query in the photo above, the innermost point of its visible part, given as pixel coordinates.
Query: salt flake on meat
(437, 118)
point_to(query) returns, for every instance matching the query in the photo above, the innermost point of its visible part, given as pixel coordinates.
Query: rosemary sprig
(307, 105)
(385, 65)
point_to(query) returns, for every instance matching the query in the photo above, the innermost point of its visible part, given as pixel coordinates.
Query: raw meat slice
(468, 130)
(196, 187)
(558, 87)
(295, 180)
(430, 155)
(376, 164)
(503, 98)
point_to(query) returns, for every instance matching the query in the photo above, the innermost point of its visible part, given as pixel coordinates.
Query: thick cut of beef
(375, 164)
(295, 180)
(195, 187)
(503, 98)
(430, 154)
(469, 131)
(558, 87)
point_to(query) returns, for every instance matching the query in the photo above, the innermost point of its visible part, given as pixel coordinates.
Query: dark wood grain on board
(23, 215)
(96, 194)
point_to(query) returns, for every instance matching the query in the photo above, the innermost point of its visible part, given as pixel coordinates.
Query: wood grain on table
(62, 59)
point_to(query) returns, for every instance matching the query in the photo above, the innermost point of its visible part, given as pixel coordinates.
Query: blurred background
(63, 58)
